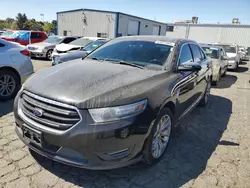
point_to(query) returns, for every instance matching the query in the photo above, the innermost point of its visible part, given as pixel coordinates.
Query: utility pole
(42, 17)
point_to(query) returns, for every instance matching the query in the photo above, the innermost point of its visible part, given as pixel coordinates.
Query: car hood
(72, 55)
(93, 84)
(42, 45)
(231, 54)
(66, 47)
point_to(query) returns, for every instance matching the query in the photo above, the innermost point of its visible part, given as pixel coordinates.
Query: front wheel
(158, 140)
(206, 95)
(49, 54)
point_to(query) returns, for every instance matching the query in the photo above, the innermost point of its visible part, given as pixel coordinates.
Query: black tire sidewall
(16, 78)
(47, 54)
(147, 151)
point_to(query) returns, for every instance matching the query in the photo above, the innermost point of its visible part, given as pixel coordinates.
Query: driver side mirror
(224, 57)
(190, 66)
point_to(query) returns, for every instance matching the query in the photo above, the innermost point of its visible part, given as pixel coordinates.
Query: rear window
(81, 42)
(211, 52)
(7, 34)
(141, 53)
(229, 49)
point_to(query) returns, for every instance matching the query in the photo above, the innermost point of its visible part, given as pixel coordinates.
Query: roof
(110, 12)
(209, 25)
(152, 38)
(210, 46)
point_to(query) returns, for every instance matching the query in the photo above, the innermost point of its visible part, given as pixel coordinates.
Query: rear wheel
(218, 78)
(49, 54)
(158, 140)
(9, 84)
(224, 74)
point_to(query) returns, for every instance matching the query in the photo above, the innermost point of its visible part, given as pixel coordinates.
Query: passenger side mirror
(224, 57)
(189, 66)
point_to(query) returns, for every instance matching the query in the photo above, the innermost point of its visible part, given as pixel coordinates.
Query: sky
(208, 11)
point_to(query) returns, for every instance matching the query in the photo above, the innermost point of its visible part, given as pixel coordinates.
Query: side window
(68, 40)
(196, 52)
(2, 45)
(185, 54)
(203, 56)
(35, 35)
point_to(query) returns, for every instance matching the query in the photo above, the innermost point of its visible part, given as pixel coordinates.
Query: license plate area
(33, 136)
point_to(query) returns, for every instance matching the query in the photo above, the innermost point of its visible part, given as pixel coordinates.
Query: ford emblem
(38, 112)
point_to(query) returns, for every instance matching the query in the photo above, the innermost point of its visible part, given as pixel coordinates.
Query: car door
(183, 89)
(223, 61)
(201, 79)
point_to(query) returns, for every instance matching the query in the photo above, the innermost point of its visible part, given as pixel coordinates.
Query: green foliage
(22, 22)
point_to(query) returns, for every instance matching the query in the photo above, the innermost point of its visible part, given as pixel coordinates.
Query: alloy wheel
(7, 85)
(161, 136)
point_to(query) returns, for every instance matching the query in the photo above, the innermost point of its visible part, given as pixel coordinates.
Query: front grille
(51, 113)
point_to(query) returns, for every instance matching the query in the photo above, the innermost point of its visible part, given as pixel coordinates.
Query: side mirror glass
(189, 66)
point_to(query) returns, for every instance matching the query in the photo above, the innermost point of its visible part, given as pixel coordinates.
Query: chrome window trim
(40, 127)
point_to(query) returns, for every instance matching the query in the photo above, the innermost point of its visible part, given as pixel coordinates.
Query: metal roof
(209, 25)
(110, 12)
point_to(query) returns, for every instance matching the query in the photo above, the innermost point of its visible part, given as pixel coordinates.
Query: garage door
(156, 30)
(133, 27)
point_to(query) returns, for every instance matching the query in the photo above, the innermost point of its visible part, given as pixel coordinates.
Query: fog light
(124, 133)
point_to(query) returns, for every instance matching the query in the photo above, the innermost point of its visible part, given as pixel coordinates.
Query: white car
(75, 45)
(232, 51)
(15, 68)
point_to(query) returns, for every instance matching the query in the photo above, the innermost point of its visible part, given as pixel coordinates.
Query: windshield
(141, 53)
(22, 35)
(229, 49)
(211, 52)
(93, 45)
(7, 34)
(53, 39)
(81, 42)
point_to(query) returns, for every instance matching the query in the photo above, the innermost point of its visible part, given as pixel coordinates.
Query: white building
(212, 33)
(96, 23)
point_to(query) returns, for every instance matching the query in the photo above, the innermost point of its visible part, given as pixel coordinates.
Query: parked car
(116, 107)
(232, 51)
(27, 37)
(44, 49)
(15, 67)
(1, 32)
(80, 53)
(219, 61)
(7, 34)
(75, 45)
(243, 52)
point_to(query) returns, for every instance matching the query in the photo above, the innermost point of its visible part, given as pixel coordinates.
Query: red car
(26, 37)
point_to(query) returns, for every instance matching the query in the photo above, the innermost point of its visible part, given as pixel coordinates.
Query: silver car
(219, 61)
(15, 68)
(44, 49)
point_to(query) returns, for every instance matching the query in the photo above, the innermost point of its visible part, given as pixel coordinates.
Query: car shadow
(40, 59)
(6, 107)
(192, 144)
(242, 69)
(243, 63)
(226, 82)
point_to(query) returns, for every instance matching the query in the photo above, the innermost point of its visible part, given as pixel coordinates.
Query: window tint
(36, 35)
(2, 45)
(185, 55)
(68, 40)
(196, 53)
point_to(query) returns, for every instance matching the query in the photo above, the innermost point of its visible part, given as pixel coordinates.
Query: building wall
(146, 26)
(211, 33)
(70, 22)
(99, 22)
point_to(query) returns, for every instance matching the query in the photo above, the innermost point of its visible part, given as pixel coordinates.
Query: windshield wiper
(124, 63)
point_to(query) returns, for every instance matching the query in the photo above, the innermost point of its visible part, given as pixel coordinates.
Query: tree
(48, 27)
(9, 20)
(21, 19)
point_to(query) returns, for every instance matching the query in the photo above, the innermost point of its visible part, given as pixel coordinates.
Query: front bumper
(56, 57)
(97, 147)
(232, 64)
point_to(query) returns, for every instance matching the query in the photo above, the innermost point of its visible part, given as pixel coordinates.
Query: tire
(10, 77)
(215, 83)
(49, 54)
(205, 97)
(149, 157)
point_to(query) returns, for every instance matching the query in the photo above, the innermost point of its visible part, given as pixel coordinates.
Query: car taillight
(25, 52)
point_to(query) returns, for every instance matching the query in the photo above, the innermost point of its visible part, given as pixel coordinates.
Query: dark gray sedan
(115, 107)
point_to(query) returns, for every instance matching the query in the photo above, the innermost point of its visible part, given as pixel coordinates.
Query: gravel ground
(210, 149)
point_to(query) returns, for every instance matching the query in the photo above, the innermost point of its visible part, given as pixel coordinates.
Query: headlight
(100, 115)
